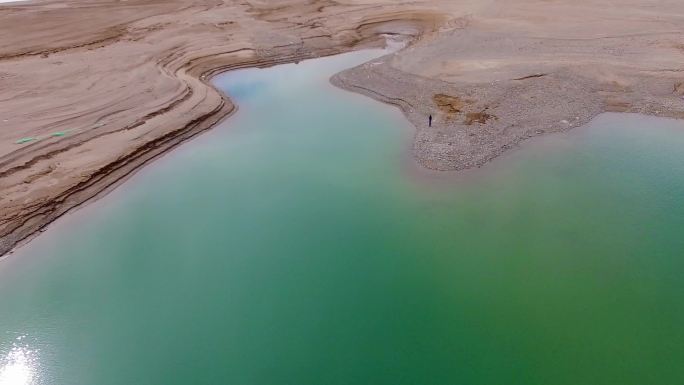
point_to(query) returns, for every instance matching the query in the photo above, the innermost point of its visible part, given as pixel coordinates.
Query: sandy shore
(513, 70)
(91, 91)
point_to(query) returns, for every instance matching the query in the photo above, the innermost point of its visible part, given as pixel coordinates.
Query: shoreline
(149, 162)
(451, 145)
(91, 192)
(86, 108)
(113, 176)
(22, 168)
(445, 178)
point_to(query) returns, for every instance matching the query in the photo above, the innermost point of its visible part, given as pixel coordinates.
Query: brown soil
(477, 117)
(450, 105)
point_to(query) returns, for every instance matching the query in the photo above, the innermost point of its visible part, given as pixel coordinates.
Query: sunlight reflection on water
(18, 365)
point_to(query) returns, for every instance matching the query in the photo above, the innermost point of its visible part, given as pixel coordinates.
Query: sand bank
(513, 70)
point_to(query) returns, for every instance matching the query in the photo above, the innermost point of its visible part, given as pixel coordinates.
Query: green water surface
(297, 244)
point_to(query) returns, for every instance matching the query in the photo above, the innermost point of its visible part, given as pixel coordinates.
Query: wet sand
(91, 91)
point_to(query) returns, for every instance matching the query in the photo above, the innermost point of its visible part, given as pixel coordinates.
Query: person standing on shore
(430, 121)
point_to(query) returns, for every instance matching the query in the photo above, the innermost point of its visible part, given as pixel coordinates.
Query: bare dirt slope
(91, 90)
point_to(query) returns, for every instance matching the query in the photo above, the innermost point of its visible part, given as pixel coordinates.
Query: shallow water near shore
(291, 245)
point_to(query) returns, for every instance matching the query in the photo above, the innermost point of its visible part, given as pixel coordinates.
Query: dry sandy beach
(92, 90)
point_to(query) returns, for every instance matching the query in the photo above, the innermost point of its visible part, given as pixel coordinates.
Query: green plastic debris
(58, 133)
(24, 140)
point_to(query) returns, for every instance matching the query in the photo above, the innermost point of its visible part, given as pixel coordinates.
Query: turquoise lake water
(297, 244)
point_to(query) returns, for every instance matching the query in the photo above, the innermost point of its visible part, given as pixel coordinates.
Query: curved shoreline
(86, 107)
(19, 226)
(454, 143)
(109, 178)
